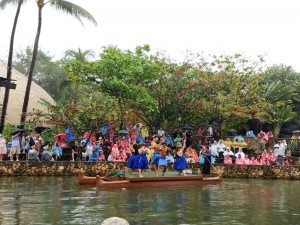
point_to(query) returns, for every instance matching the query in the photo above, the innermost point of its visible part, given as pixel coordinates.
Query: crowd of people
(141, 147)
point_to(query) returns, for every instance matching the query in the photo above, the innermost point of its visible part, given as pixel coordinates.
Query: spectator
(169, 140)
(15, 147)
(3, 149)
(160, 132)
(214, 149)
(239, 160)
(282, 148)
(47, 156)
(101, 156)
(57, 151)
(178, 141)
(94, 157)
(240, 152)
(271, 158)
(246, 160)
(28, 143)
(74, 150)
(221, 147)
(227, 159)
(170, 158)
(259, 160)
(252, 161)
(39, 141)
(228, 152)
(33, 154)
(279, 160)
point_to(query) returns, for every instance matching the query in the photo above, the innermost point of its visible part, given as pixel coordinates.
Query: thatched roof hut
(16, 96)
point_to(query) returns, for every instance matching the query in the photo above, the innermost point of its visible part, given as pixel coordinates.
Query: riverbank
(65, 168)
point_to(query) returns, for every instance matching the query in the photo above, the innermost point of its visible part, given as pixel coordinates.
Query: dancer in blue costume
(180, 162)
(131, 163)
(142, 161)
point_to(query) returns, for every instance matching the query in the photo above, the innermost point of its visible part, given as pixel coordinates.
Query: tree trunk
(9, 67)
(31, 69)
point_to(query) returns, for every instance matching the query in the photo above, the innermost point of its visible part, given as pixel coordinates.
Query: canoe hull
(156, 182)
(82, 179)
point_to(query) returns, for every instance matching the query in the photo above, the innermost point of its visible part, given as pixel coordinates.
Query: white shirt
(220, 147)
(214, 150)
(281, 149)
(160, 133)
(228, 153)
(240, 152)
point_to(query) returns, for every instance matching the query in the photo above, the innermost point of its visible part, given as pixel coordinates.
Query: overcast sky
(252, 27)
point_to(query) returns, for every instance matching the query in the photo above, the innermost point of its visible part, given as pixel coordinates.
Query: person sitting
(271, 158)
(279, 160)
(214, 149)
(221, 147)
(240, 152)
(286, 162)
(170, 158)
(227, 159)
(47, 156)
(264, 155)
(258, 160)
(252, 161)
(33, 154)
(101, 156)
(122, 156)
(246, 160)
(228, 152)
(239, 160)
(94, 157)
(188, 158)
(57, 151)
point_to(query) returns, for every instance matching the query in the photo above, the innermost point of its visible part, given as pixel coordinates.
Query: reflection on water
(59, 200)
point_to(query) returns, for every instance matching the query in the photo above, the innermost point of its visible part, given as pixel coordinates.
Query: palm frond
(276, 92)
(73, 9)
(4, 3)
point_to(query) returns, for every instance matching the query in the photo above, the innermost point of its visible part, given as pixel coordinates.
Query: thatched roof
(16, 96)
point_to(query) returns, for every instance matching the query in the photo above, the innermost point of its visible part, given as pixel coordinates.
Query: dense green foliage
(137, 86)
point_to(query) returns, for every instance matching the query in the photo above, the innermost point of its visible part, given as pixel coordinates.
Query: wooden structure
(130, 182)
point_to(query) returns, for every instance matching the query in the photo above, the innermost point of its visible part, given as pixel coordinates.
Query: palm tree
(68, 7)
(79, 55)
(3, 4)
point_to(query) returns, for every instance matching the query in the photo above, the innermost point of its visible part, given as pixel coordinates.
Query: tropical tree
(281, 91)
(123, 75)
(79, 54)
(3, 4)
(68, 7)
(48, 73)
(226, 89)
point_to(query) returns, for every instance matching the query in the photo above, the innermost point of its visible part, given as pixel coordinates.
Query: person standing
(162, 162)
(155, 158)
(131, 163)
(141, 160)
(3, 149)
(207, 162)
(15, 146)
(180, 161)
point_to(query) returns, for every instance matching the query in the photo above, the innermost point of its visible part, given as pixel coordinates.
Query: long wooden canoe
(165, 181)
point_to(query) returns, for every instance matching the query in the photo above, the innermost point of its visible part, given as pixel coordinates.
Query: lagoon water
(60, 200)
